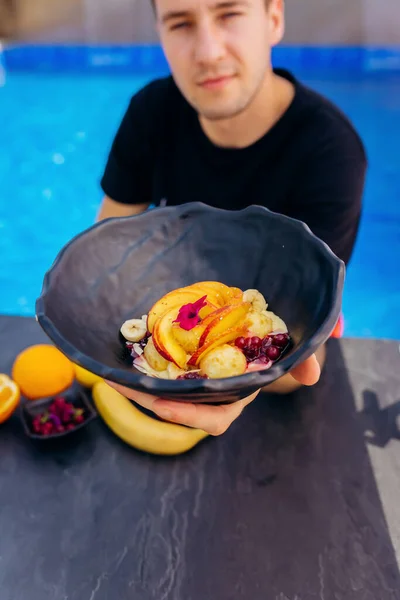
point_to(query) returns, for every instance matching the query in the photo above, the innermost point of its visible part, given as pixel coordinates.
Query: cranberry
(240, 342)
(191, 375)
(60, 428)
(79, 419)
(70, 426)
(273, 353)
(281, 340)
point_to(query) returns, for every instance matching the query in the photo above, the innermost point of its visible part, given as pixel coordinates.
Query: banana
(134, 330)
(138, 429)
(277, 323)
(256, 299)
(259, 324)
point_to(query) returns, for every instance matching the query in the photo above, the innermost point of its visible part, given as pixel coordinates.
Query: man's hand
(215, 420)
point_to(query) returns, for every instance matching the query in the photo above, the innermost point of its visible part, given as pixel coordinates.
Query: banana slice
(134, 330)
(256, 299)
(259, 323)
(155, 360)
(174, 372)
(277, 323)
(224, 361)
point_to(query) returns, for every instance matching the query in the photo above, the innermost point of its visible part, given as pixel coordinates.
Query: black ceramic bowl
(118, 268)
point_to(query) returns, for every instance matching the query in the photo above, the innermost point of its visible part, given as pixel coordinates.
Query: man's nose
(209, 44)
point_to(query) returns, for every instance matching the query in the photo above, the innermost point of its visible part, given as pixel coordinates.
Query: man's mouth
(215, 83)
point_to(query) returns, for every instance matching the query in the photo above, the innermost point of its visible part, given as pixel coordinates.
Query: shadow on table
(289, 507)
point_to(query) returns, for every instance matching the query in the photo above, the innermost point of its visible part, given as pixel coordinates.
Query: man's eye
(230, 15)
(182, 25)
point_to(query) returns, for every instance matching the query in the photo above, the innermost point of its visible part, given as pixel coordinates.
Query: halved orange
(9, 397)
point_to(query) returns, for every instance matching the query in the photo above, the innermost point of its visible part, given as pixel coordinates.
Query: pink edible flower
(188, 316)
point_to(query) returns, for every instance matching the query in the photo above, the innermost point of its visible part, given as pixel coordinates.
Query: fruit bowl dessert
(212, 270)
(206, 330)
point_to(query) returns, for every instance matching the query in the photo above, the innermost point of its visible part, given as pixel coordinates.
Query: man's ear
(276, 11)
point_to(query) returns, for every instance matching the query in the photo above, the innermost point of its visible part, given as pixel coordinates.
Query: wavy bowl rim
(258, 379)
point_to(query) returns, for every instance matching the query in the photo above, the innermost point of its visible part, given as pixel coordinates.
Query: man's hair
(153, 3)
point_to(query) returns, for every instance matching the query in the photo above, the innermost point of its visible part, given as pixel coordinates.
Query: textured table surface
(299, 500)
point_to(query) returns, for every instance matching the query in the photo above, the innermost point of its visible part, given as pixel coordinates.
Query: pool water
(55, 136)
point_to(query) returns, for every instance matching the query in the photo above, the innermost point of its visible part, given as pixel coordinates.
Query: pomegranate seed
(252, 354)
(70, 426)
(79, 419)
(273, 353)
(266, 343)
(240, 342)
(247, 343)
(192, 376)
(252, 348)
(264, 359)
(143, 342)
(281, 339)
(60, 428)
(256, 342)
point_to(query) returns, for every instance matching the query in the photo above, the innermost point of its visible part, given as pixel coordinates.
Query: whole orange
(42, 370)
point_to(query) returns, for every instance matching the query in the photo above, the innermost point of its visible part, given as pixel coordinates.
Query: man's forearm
(109, 208)
(287, 384)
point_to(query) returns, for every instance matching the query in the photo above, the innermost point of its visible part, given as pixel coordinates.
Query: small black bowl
(75, 395)
(118, 268)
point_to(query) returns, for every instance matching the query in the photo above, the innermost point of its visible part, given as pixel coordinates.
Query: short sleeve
(127, 173)
(328, 193)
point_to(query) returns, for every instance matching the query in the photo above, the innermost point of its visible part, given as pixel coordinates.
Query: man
(228, 130)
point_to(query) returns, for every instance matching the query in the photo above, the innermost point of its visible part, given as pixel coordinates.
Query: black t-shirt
(311, 165)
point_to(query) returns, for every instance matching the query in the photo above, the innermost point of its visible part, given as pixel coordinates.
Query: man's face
(219, 51)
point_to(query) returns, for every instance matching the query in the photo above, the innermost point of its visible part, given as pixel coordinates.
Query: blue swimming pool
(55, 135)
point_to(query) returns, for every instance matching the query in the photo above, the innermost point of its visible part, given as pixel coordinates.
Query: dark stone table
(299, 500)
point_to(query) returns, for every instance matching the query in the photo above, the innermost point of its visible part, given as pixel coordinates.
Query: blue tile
(143, 58)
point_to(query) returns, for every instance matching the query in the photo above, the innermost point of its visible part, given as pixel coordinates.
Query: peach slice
(176, 298)
(189, 340)
(228, 317)
(226, 294)
(165, 342)
(212, 295)
(223, 338)
(234, 296)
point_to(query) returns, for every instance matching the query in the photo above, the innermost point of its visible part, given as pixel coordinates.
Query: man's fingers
(215, 420)
(308, 373)
(145, 400)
